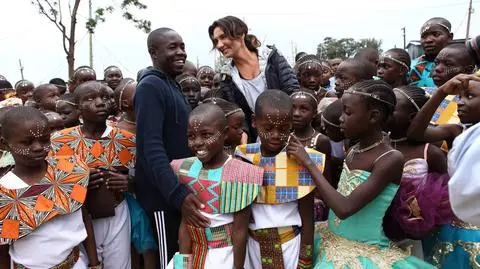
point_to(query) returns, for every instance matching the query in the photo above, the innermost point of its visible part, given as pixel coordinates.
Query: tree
(52, 10)
(345, 47)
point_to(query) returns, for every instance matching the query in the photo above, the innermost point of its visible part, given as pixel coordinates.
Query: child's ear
(375, 116)
(254, 121)
(411, 116)
(225, 132)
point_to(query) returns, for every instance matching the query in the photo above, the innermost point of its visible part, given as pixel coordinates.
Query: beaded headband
(110, 68)
(22, 83)
(233, 112)
(389, 56)
(84, 68)
(121, 94)
(329, 122)
(309, 62)
(429, 25)
(371, 95)
(189, 79)
(304, 95)
(205, 69)
(408, 97)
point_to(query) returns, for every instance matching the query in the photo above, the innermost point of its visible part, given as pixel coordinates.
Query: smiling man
(162, 119)
(435, 35)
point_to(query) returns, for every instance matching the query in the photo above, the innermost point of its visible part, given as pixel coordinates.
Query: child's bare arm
(305, 208)
(240, 236)
(89, 243)
(4, 256)
(184, 240)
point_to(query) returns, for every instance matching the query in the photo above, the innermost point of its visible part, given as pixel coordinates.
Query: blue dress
(457, 245)
(359, 240)
(420, 72)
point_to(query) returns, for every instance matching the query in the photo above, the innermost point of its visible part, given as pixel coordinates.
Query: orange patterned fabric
(61, 191)
(117, 149)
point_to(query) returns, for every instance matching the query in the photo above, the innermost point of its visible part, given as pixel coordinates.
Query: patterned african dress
(224, 191)
(420, 72)
(446, 113)
(457, 245)
(275, 228)
(114, 150)
(359, 241)
(42, 223)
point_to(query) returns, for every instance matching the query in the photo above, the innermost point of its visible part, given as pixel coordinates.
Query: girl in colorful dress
(304, 110)
(43, 225)
(226, 186)
(281, 231)
(456, 244)
(421, 204)
(110, 153)
(354, 235)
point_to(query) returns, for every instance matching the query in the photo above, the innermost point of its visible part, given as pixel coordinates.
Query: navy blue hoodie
(162, 118)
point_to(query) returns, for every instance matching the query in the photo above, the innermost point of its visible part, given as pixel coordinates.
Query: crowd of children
(351, 169)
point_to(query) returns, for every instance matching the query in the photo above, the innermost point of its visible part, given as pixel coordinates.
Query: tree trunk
(71, 40)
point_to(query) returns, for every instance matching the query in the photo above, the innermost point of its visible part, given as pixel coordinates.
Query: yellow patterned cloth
(446, 113)
(284, 180)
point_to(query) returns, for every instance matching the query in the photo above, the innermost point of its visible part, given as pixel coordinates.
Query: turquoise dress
(457, 245)
(420, 72)
(359, 241)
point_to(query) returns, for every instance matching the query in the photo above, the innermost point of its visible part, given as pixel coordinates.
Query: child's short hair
(203, 109)
(40, 90)
(363, 69)
(19, 115)
(274, 99)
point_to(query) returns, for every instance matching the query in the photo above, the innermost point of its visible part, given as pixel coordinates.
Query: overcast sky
(29, 36)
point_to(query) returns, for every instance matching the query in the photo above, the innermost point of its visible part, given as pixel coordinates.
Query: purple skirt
(421, 204)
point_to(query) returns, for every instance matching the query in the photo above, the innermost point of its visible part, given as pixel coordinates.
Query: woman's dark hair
(234, 28)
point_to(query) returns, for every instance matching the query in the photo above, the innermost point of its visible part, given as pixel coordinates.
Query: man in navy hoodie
(162, 119)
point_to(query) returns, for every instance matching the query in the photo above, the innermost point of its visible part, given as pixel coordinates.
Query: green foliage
(345, 47)
(125, 6)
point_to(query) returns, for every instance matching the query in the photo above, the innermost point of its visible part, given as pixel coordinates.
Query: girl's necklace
(395, 141)
(304, 139)
(355, 150)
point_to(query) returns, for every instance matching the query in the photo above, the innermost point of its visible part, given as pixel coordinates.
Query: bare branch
(60, 17)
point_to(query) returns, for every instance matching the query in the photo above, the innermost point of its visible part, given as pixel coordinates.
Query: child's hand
(458, 83)
(297, 150)
(96, 178)
(191, 212)
(117, 181)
